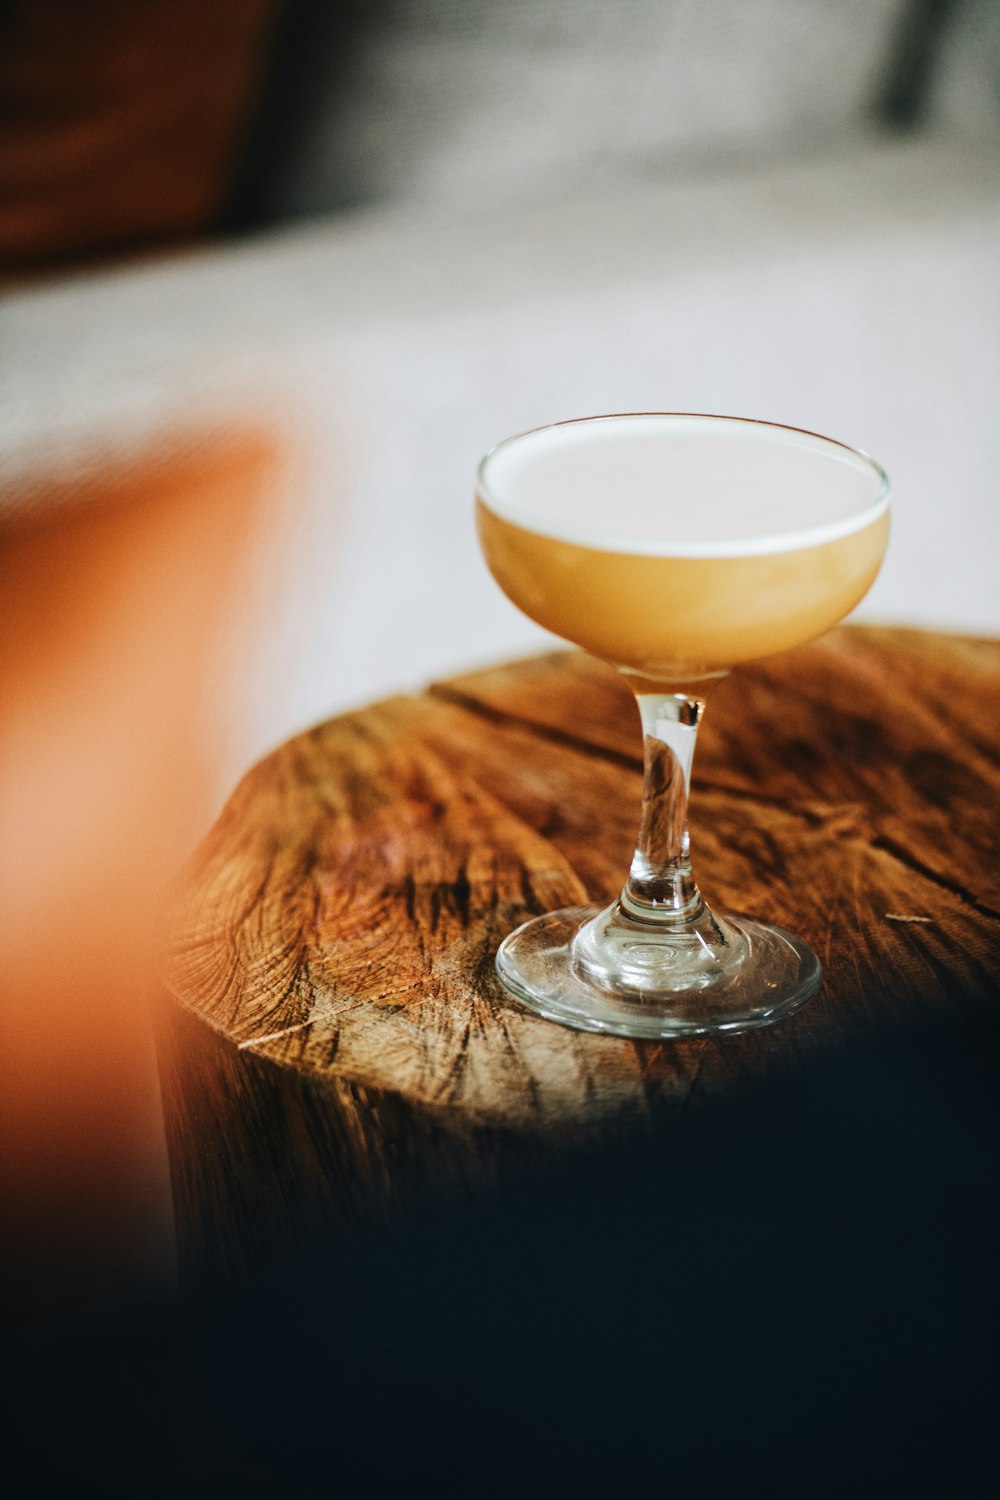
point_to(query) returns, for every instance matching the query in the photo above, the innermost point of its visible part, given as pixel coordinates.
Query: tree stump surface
(338, 1030)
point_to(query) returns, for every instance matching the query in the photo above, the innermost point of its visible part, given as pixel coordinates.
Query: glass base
(610, 970)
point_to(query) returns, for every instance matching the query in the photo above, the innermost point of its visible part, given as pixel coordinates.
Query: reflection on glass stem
(660, 882)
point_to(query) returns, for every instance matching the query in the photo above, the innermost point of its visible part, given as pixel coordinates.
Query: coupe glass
(674, 547)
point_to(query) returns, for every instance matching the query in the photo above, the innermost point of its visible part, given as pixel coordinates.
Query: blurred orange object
(114, 589)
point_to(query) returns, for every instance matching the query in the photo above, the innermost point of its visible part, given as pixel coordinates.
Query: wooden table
(338, 1044)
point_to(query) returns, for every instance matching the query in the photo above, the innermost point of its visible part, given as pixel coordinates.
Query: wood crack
(476, 706)
(918, 867)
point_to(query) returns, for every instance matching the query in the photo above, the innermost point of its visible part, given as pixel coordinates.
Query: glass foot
(611, 971)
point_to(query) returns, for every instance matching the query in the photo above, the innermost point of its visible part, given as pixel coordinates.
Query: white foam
(683, 486)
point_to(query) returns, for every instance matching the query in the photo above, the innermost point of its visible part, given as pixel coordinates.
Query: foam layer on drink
(682, 486)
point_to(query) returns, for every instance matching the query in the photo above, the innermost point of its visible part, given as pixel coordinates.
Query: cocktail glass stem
(660, 885)
(659, 936)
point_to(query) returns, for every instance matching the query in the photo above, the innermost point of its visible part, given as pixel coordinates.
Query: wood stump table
(337, 1044)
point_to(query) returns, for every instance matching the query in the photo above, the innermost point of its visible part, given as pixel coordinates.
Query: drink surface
(679, 546)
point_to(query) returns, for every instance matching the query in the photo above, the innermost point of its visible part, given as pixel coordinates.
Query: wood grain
(345, 1045)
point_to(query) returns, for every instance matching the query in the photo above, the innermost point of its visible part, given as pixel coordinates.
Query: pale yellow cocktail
(674, 547)
(675, 552)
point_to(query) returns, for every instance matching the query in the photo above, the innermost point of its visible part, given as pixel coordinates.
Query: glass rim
(805, 536)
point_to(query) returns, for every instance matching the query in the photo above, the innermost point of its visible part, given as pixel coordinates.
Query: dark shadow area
(794, 1295)
(314, 48)
(906, 88)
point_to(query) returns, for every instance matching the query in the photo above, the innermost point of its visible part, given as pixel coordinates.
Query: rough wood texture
(336, 929)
